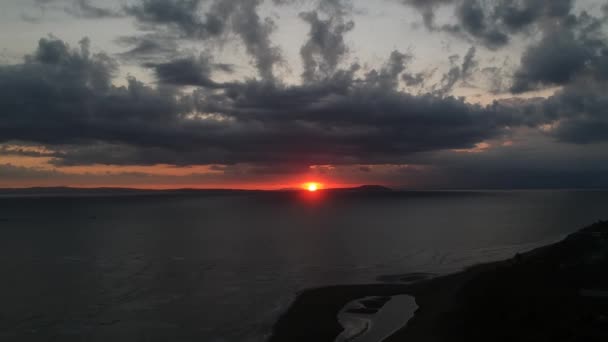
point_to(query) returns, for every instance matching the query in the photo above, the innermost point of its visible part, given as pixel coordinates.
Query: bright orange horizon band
(307, 186)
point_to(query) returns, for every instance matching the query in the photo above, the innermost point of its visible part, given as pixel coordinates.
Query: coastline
(543, 294)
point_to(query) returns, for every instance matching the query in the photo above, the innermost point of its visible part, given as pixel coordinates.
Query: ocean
(223, 266)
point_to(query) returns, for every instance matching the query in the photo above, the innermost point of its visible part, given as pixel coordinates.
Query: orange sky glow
(161, 177)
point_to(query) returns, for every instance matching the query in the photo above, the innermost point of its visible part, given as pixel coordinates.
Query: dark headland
(554, 293)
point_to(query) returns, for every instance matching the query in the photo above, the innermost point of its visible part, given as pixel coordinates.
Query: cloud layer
(341, 113)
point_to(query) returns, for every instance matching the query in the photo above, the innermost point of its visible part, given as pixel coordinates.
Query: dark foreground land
(554, 293)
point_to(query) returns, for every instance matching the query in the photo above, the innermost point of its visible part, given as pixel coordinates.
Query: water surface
(223, 267)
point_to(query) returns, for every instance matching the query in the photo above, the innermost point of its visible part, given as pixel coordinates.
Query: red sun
(312, 187)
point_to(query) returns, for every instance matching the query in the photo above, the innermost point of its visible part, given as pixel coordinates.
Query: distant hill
(364, 189)
(70, 191)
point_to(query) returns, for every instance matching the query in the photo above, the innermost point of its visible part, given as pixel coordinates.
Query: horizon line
(393, 188)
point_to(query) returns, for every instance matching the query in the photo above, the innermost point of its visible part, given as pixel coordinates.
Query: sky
(270, 94)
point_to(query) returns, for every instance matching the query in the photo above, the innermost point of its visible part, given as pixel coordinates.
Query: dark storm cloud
(413, 80)
(388, 76)
(255, 34)
(458, 73)
(517, 15)
(498, 79)
(188, 19)
(582, 109)
(148, 47)
(63, 98)
(59, 95)
(564, 53)
(188, 71)
(427, 9)
(325, 47)
(492, 23)
(574, 55)
(469, 64)
(473, 20)
(181, 15)
(557, 59)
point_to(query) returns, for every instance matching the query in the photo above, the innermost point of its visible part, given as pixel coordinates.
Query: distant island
(367, 188)
(554, 293)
